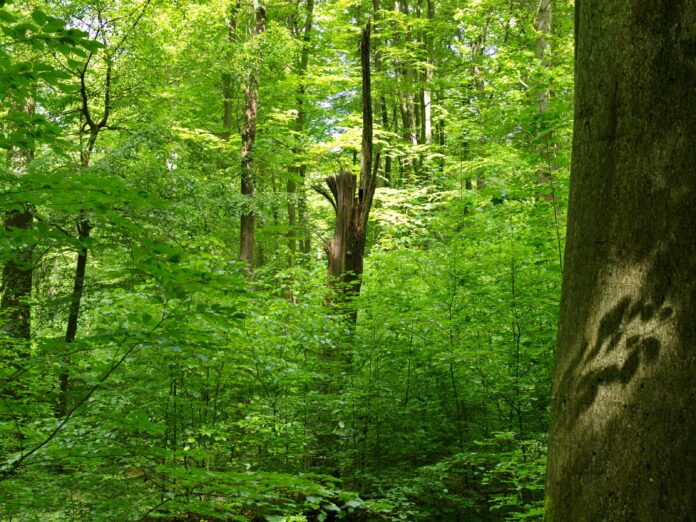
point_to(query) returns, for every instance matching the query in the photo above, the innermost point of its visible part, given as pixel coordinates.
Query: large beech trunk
(624, 393)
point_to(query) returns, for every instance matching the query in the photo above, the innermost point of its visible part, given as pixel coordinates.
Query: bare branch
(132, 27)
(83, 95)
(107, 97)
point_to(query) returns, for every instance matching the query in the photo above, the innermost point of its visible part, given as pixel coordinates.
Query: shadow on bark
(623, 333)
(639, 443)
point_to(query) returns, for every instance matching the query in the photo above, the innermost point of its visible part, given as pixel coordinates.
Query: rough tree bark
(624, 394)
(346, 249)
(251, 96)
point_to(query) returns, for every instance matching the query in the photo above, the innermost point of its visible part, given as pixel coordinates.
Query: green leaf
(53, 24)
(330, 506)
(91, 45)
(39, 16)
(7, 17)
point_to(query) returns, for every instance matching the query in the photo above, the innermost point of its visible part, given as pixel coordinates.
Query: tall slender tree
(251, 96)
(381, 106)
(546, 148)
(226, 80)
(624, 393)
(297, 201)
(91, 126)
(428, 77)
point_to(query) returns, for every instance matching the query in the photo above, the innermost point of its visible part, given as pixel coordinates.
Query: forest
(322, 260)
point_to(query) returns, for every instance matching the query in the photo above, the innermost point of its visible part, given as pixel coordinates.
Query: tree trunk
(227, 106)
(251, 96)
(345, 254)
(17, 278)
(543, 25)
(297, 201)
(441, 138)
(478, 49)
(346, 249)
(92, 127)
(84, 229)
(291, 188)
(226, 80)
(427, 96)
(624, 394)
(546, 148)
(303, 215)
(404, 76)
(427, 118)
(382, 107)
(17, 273)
